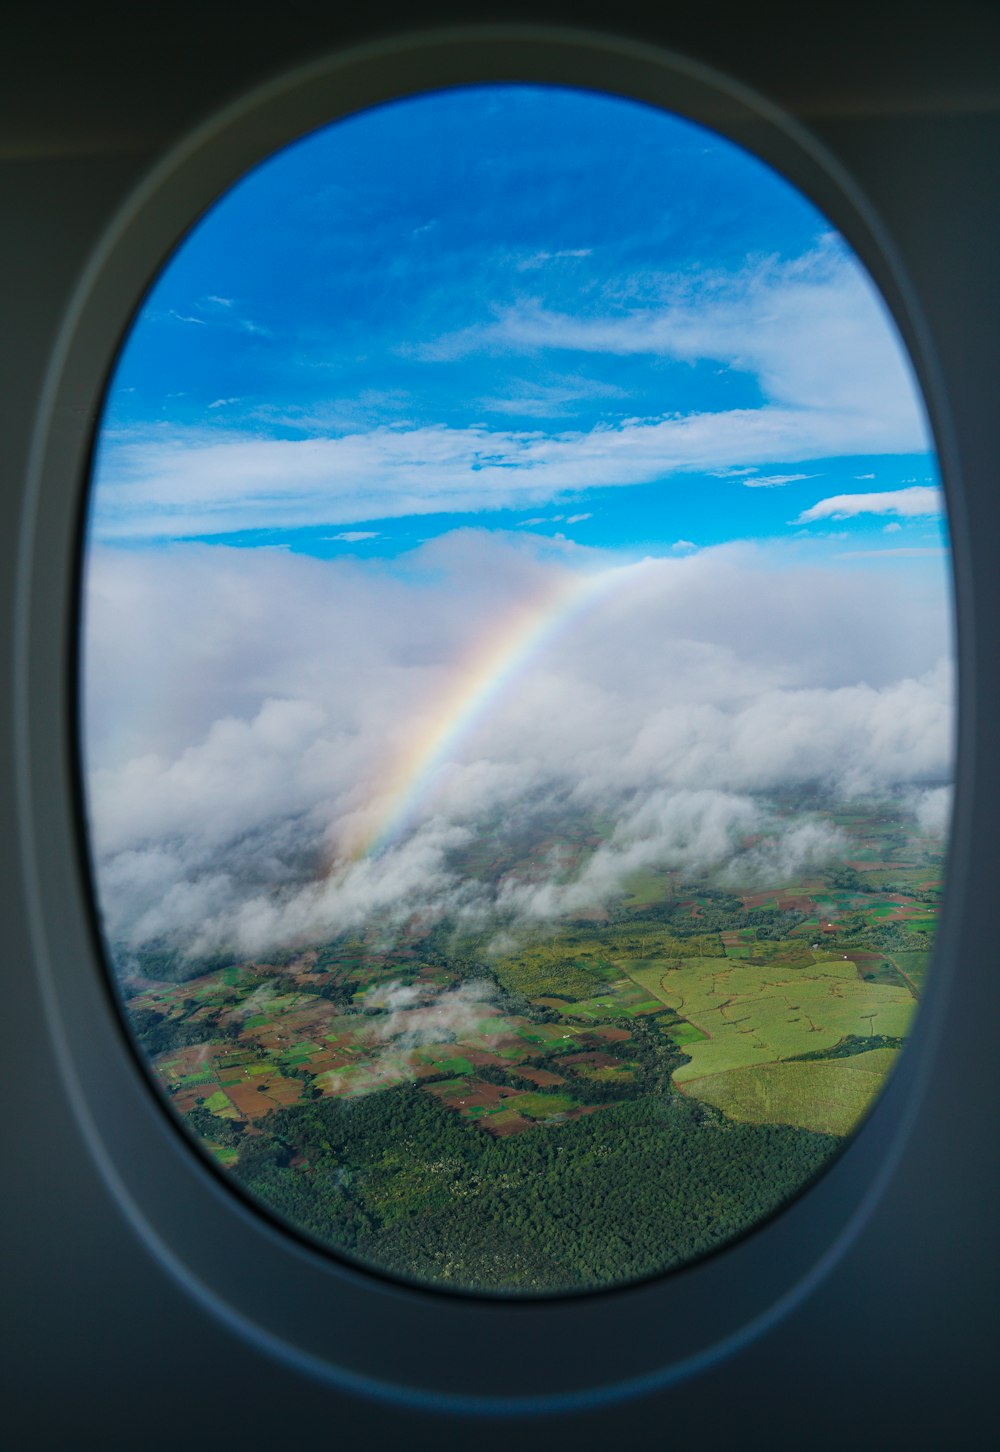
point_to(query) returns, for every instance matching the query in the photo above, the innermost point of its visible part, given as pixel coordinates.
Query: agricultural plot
(756, 1015)
(912, 966)
(827, 1096)
(623, 999)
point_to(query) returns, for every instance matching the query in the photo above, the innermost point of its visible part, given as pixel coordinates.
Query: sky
(498, 446)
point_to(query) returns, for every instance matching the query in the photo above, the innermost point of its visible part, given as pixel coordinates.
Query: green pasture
(224, 1153)
(505, 1116)
(739, 950)
(542, 1106)
(620, 1074)
(683, 1033)
(299, 1054)
(552, 1035)
(647, 887)
(219, 1103)
(914, 965)
(445, 1087)
(349, 1080)
(755, 1014)
(457, 1064)
(625, 999)
(828, 1096)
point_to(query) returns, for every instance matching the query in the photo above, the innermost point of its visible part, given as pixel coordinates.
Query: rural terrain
(565, 1105)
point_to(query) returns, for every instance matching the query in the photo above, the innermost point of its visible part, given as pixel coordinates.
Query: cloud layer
(247, 711)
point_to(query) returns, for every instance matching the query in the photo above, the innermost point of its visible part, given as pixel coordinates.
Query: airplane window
(517, 689)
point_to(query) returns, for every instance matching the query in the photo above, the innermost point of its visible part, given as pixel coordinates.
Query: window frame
(411, 1344)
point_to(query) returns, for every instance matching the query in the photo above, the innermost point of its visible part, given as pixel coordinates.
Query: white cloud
(578, 518)
(933, 810)
(813, 331)
(806, 846)
(425, 1015)
(537, 398)
(920, 500)
(539, 259)
(247, 715)
(191, 483)
(911, 552)
(774, 481)
(354, 536)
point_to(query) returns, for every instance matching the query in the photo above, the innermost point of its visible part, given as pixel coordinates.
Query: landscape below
(580, 1105)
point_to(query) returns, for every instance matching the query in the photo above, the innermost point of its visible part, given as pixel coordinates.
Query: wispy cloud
(535, 398)
(773, 481)
(213, 311)
(813, 332)
(191, 483)
(539, 259)
(918, 501)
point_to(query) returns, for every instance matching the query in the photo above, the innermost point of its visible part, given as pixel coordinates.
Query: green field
(754, 1014)
(827, 1096)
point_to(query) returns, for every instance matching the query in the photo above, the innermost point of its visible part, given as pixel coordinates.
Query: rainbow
(477, 683)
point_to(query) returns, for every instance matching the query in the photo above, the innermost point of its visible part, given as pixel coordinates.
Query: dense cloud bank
(254, 718)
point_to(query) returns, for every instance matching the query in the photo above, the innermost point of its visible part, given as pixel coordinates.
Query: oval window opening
(517, 689)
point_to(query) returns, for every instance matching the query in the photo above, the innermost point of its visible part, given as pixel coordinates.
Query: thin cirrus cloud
(832, 375)
(193, 483)
(773, 481)
(813, 331)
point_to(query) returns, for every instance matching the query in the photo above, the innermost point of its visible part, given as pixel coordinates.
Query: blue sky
(521, 309)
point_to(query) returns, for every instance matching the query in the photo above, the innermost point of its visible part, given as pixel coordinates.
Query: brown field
(500, 1125)
(544, 1078)
(797, 904)
(473, 1094)
(593, 1061)
(254, 1102)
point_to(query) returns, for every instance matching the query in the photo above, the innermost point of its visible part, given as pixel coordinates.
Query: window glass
(518, 689)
